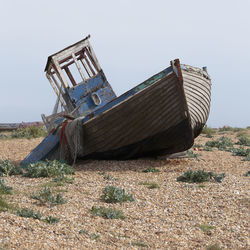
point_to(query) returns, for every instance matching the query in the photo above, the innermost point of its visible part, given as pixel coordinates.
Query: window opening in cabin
(78, 67)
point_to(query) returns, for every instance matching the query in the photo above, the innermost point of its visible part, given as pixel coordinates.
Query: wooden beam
(85, 66)
(93, 56)
(68, 64)
(52, 83)
(78, 67)
(70, 75)
(86, 59)
(61, 75)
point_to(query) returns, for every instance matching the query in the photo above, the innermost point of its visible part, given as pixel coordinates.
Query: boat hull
(197, 87)
(155, 121)
(161, 116)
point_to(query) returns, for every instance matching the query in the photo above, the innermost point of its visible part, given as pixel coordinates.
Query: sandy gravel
(163, 218)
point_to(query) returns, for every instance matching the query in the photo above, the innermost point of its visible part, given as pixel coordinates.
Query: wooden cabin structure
(76, 76)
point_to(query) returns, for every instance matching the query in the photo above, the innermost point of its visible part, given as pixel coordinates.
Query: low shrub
(29, 132)
(112, 194)
(94, 236)
(83, 231)
(243, 140)
(108, 177)
(205, 228)
(139, 244)
(47, 169)
(107, 213)
(207, 130)
(191, 154)
(150, 185)
(4, 205)
(247, 173)
(214, 247)
(207, 148)
(7, 168)
(4, 189)
(45, 196)
(247, 158)
(200, 176)
(241, 133)
(209, 136)
(3, 136)
(241, 151)
(222, 143)
(226, 128)
(51, 220)
(151, 170)
(28, 213)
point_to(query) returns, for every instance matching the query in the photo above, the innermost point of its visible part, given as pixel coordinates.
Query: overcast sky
(133, 39)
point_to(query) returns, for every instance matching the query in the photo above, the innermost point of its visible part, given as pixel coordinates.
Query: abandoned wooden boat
(160, 116)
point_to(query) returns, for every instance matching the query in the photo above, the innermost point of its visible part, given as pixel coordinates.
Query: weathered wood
(57, 90)
(85, 66)
(89, 65)
(70, 75)
(61, 75)
(198, 93)
(78, 67)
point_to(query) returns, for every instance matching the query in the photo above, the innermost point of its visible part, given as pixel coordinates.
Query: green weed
(4, 189)
(200, 176)
(150, 185)
(214, 247)
(209, 136)
(4, 205)
(247, 158)
(112, 194)
(51, 220)
(247, 173)
(151, 170)
(206, 228)
(108, 177)
(107, 213)
(191, 154)
(94, 236)
(45, 196)
(208, 131)
(28, 213)
(83, 231)
(241, 151)
(29, 132)
(243, 140)
(48, 169)
(139, 244)
(223, 143)
(7, 168)
(207, 148)
(226, 128)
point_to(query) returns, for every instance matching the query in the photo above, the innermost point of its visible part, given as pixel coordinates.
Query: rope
(64, 141)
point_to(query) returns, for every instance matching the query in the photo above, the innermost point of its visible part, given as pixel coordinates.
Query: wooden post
(78, 67)
(92, 71)
(52, 83)
(70, 76)
(96, 63)
(84, 63)
(61, 75)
